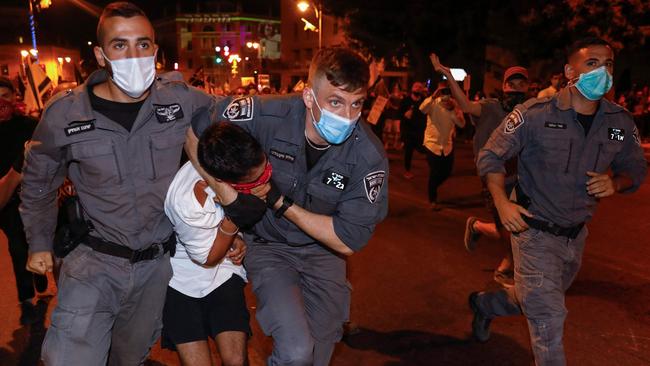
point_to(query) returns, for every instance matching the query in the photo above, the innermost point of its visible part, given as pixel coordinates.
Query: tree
(460, 30)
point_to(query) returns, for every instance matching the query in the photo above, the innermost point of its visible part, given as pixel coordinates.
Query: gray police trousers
(108, 310)
(545, 267)
(303, 299)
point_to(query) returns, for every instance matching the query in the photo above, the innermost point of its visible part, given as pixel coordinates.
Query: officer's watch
(286, 203)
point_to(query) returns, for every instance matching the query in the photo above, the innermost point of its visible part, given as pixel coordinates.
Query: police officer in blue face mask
(566, 145)
(118, 138)
(330, 176)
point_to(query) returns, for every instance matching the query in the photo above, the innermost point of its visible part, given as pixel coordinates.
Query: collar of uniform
(563, 103)
(81, 110)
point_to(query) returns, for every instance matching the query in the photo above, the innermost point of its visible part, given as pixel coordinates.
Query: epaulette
(534, 101)
(58, 97)
(276, 106)
(172, 78)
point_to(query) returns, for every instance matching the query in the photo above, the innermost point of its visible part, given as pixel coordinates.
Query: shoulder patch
(513, 121)
(373, 183)
(239, 110)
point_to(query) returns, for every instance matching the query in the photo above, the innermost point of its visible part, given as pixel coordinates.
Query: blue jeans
(545, 267)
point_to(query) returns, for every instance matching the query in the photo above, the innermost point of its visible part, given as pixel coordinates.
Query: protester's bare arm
(466, 105)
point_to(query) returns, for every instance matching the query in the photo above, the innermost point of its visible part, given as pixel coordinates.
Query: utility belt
(74, 229)
(134, 256)
(570, 232)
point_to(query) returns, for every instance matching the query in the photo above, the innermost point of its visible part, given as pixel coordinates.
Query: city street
(412, 281)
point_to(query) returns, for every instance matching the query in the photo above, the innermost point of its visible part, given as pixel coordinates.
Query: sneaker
(480, 323)
(505, 278)
(409, 175)
(40, 283)
(471, 235)
(28, 313)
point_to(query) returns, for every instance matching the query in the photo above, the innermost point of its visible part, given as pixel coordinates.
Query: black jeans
(411, 145)
(439, 170)
(12, 226)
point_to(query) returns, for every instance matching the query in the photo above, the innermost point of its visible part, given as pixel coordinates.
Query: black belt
(549, 227)
(116, 250)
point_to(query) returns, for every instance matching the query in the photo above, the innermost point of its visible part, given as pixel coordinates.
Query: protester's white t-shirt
(196, 228)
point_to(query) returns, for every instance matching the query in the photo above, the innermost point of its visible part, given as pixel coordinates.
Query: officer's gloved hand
(273, 195)
(245, 211)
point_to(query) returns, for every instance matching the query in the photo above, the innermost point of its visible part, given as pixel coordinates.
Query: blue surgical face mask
(595, 83)
(332, 127)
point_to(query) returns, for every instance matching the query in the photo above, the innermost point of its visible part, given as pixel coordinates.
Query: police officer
(330, 190)
(15, 130)
(566, 145)
(118, 137)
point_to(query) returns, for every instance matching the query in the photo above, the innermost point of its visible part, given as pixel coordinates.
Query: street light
(24, 53)
(318, 10)
(68, 59)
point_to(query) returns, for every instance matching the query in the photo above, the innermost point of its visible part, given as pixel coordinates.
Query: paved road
(411, 285)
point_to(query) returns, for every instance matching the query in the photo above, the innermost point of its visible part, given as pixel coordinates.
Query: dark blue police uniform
(555, 155)
(302, 292)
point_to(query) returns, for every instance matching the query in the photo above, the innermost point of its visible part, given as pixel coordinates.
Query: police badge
(168, 113)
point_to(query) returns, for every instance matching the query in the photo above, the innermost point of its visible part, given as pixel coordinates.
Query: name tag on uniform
(282, 155)
(168, 113)
(616, 134)
(336, 180)
(555, 125)
(79, 127)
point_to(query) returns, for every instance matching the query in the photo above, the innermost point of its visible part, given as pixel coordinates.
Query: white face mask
(133, 75)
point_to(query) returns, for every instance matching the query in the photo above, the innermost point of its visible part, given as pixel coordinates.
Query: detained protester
(329, 190)
(205, 297)
(443, 115)
(566, 145)
(488, 114)
(15, 130)
(118, 138)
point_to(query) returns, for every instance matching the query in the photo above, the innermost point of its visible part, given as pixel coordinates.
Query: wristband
(286, 203)
(228, 233)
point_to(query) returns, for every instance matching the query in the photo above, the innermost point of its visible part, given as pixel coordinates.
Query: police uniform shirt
(349, 182)
(121, 177)
(555, 155)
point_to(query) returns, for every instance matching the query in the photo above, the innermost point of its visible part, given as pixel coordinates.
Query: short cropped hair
(227, 152)
(342, 67)
(123, 9)
(586, 42)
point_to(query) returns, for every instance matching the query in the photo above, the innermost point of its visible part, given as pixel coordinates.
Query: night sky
(65, 24)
